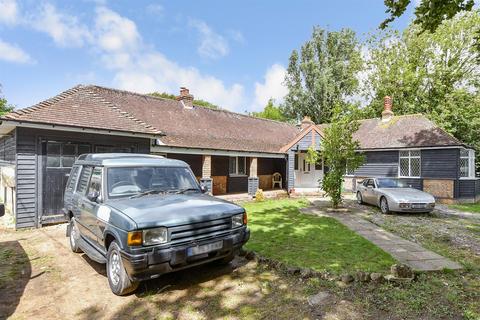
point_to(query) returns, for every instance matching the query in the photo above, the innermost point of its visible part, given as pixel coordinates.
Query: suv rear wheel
(118, 279)
(74, 236)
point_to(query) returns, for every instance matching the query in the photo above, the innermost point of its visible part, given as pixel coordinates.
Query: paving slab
(404, 251)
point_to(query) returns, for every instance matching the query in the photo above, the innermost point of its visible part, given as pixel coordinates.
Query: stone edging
(399, 273)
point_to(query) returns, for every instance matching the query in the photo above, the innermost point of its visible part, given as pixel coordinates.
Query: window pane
(464, 153)
(415, 167)
(95, 181)
(53, 154)
(68, 155)
(464, 167)
(241, 165)
(404, 153)
(415, 153)
(232, 168)
(83, 148)
(404, 167)
(295, 166)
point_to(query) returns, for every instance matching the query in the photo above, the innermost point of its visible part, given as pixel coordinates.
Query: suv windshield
(131, 181)
(390, 183)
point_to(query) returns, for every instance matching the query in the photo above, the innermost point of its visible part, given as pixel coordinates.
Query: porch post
(253, 177)
(206, 179)
(291, 170)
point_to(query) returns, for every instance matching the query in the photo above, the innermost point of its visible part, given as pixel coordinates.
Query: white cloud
(271, 88)
(64, 29)
(212, 45)
(154, 72)
(114, 32)
(12, 53)
(8, 12)
(236, 36)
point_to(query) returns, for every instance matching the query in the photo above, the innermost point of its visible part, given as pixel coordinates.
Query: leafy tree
(196, 102)
(4, 106)
(338, 150)
(436, 74)
(429, 14)
(322, 75)
(271, 112)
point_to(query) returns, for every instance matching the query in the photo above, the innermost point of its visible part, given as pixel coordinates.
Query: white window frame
(236, 173)
(471, 163)
(409, 157)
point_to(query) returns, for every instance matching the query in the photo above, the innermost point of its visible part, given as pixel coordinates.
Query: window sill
(237, 175)
(399, 177)
(468, 178)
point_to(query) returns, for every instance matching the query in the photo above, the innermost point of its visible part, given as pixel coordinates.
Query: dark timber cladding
(43, 162)
(8, 147)
(379, 164)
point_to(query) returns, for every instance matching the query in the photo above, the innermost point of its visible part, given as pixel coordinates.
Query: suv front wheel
(118, 279)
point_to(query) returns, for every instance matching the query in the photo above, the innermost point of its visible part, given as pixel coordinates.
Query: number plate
(205, 248)
(418, 206)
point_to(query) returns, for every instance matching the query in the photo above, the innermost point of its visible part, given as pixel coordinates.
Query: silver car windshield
(133, 181)
(390, 183)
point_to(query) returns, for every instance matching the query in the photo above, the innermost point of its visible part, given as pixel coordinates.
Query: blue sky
(232, 53)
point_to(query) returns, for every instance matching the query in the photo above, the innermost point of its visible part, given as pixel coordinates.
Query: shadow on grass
(15, 272)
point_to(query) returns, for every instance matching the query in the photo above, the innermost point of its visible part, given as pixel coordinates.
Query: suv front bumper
(157, 261)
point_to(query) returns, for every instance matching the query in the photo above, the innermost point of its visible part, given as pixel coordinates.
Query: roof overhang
(215, 152)
(7, 125)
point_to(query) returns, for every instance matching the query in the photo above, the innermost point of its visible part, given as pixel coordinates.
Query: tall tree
(196, 102)
(4, 106)
(271, 112)
(436, 74)
(339, 150)
(322, 75)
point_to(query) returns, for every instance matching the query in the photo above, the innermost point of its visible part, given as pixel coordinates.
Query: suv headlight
(237, 220)
(155, 236)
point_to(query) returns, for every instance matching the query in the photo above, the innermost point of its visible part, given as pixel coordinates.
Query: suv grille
(199, 230)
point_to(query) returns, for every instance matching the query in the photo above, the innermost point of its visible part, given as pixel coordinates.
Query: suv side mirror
(93, 196)
(203, 188)
(2, 210)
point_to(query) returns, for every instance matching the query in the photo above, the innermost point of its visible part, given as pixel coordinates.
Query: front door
(307, 175)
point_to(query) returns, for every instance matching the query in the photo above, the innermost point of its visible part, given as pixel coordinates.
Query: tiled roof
(199, 127)
(82, 107)
(407, 131)
(202, 127)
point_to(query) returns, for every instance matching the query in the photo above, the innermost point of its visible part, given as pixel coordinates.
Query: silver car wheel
(384, 205)
(114, 268)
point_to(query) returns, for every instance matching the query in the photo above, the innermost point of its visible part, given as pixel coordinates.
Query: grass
(280, 231)
(467, 207)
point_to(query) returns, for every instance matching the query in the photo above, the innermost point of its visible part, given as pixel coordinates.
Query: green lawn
(467, 207)
(280, 231)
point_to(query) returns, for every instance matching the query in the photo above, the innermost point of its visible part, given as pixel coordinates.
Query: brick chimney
(306, 122)
(185, 98)
(387, 113)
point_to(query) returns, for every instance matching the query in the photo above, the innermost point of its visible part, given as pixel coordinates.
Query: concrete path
(404, 251)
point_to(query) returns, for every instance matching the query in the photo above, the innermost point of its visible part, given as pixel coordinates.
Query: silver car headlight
(155, 236)
(237, 220)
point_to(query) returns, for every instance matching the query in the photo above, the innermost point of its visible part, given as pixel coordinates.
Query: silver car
(393, 195)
